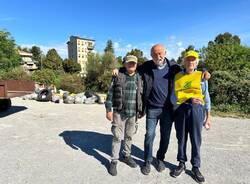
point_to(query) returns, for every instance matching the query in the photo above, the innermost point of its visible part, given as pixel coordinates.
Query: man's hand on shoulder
(115, 72)
(206, 75)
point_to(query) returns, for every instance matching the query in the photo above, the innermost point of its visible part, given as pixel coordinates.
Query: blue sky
(129, 23)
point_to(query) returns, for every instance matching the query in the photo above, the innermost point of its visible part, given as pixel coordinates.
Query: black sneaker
(130, 162)
(177, 171)
(146, 168)
(197, 175)
(160, 166)
(112, 168)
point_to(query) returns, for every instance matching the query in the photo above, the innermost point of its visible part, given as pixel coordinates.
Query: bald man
(157, 75)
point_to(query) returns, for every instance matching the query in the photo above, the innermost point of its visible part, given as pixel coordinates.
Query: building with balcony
(27, 62)
(78, 50)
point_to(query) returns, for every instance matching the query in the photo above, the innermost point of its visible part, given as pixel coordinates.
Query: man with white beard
(157, 77)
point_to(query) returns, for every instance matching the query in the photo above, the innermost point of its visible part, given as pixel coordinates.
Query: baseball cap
(130, 58)
(191, 53)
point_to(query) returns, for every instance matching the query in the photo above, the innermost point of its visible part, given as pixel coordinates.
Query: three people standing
(157, 76)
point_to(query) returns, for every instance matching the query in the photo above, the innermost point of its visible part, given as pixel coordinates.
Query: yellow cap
(191, 53)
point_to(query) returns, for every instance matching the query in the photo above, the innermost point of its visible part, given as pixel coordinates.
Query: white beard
(159, 62)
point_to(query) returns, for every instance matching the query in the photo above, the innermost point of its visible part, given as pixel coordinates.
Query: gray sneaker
(112, 168)
(160, 166)
(146, 168)
(130, 162)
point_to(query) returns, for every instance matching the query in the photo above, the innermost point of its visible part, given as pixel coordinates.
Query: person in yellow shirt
(191, 101)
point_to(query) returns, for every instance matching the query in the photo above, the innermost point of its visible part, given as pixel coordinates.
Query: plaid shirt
(129, 92)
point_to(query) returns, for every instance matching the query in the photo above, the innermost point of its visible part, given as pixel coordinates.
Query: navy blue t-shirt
(159, 93)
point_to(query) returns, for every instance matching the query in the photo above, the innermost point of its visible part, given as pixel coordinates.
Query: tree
(226, 56)
(9, 57)
(119, 60)
(93, 69)
(227, 38)
(109, 47)
(139, 54)
(37, 53)
(71, 66)
(108, 63)
(52, 60)
(99, 69)
(172, 60)
(229, 63)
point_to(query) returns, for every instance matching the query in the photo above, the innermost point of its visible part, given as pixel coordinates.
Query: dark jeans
(153, 115)
(189, 120)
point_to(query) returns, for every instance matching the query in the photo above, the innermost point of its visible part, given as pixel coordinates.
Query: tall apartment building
(78, 49)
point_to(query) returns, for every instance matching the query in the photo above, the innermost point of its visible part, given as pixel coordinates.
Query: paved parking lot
(62, 143)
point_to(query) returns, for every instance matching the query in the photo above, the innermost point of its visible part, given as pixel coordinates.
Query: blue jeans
(153, 115)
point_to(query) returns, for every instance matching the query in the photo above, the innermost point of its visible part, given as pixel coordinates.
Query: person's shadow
(92, 143)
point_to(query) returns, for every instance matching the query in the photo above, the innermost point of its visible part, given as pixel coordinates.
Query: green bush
(105, 80)
(17, 73)
(229, 91)
(71, 82)
(71, 66)
(45, 76)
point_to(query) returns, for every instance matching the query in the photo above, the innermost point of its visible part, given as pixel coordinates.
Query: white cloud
(174, 47)
(172, 37)
(245, 37)
(129, 46)
(179, 43)
(181, 49)
(121, 49)
(116, 45)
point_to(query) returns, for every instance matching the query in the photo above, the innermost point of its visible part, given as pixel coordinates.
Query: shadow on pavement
(92, 143)
(189, 173)
(12, 110)
(168, 165)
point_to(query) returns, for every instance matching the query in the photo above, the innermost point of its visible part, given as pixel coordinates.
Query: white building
(78, 49)
(27, 62)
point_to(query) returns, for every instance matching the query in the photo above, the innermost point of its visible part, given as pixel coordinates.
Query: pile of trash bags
(46, 95)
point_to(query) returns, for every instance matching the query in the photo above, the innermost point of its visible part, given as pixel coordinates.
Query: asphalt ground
(61, 143)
